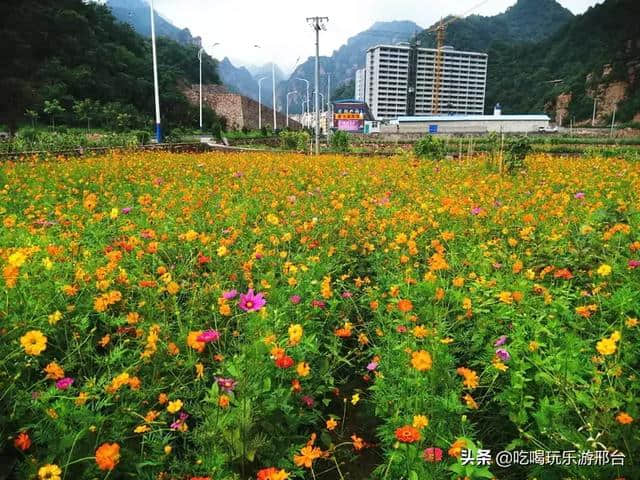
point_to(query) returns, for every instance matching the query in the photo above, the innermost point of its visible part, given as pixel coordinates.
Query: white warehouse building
(399, 81)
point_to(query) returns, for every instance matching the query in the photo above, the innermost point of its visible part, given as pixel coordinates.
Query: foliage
(295, 140)
(340, 141)
(398, 308)
(430, 147)
(53, 108)
(72, 50)
(31, 139)
(516, 151)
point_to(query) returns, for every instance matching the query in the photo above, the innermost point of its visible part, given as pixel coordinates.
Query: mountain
(71, 50)
(524, 22)
(136, 13)
(343, 63)
(240, 80)
(595, 55)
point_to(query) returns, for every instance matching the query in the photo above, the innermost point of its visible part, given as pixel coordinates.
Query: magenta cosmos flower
(634, 263)
(226, 384)
(64, 383)
(579, 195)
(503, 354)
(372, 366)
(295, 299)
(208, 336)
(500, 341)
(251, 302)
(230, 294)
(432, 454)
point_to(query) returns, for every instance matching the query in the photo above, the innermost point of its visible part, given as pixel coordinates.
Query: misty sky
(279, 26)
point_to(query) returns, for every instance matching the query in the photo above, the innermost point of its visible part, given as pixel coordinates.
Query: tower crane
(440, 31)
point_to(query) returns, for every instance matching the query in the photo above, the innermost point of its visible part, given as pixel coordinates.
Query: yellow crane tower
(440, 31)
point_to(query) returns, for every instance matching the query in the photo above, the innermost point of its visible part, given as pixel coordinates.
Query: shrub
(516, 151)
(430, 147)
(340, 141)
(294, 140)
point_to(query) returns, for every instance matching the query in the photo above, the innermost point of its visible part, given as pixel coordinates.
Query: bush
(294, 140)
(142, 136)
(516, 151)
(430, 147)
(340, 141)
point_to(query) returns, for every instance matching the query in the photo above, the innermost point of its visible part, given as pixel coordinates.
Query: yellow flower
(222, 251)
(199, 370)
(420, 421)
(49, 472)
(174, 406)
(632, 322)
(17, 259)
(34, 342)
(421, 360)
(604, 270)
(533, 346)
(142, 429)
(173, 288)
(295, 334)
(606, 346)
(303, 369)
(355, 398)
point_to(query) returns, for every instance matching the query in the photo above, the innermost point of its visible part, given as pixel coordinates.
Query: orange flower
(331, 424)
(470, 377)
(408, 434)
(307, 455)
(54, 371)
(421, 360)
(22, 441)
(107, 456)
(223, 401)
(358, 443)
(405, 305)
(272, 473)
(624, 418)
(456, 448)
(192, 341)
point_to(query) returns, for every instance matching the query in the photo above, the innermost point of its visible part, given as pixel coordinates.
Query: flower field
(267, 316)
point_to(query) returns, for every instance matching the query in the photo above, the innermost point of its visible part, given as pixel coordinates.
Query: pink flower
(64, 383)
(579, 195)
(432, 454)
(295, 299)
(226, 384)
(372, 366)
(230, 294)
(503, 354)
(401, 329)
(208, 336)
(318, 303)
(126, 210)
(500, 341)
(347, 294)
(258, 256)
(308, 401)
(476, 211)
(251, 302)
(634, 263)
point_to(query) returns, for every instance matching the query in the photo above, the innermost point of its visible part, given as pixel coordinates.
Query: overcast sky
(279, 26)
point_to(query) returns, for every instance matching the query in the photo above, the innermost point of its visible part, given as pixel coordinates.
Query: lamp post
(155, 75)
(273, 91)
(260, 102)
(289, 93)
(200, 52)
(307, 82)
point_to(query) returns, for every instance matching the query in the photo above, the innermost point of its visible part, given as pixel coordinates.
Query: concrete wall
(467, 127)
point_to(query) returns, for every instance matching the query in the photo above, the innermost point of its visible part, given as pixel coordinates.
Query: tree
(32, 115)
(53, 108)
(86, 110)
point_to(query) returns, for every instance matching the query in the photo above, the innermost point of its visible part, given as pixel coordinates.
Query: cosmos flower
(108, 456)
(372, 366)
(64, 383)
(229, 294)
(251, 302)
(208, 336)
(503, 354)
(295, 299)
(226, 384)
(432, 454)
(500, 341)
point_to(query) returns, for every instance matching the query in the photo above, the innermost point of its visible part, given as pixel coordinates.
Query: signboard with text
(350, 125)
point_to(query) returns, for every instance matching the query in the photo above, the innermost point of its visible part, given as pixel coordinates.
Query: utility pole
(260, 102)
(328, 90)
(289, 93)
(308, 105)
(273, 87)
(593, 120)
(155, 75)
(613, 120)
(317, 23)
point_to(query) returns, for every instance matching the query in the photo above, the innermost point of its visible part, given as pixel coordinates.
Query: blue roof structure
(473, 118)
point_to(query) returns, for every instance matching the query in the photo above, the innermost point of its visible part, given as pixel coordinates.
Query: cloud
(280, 28)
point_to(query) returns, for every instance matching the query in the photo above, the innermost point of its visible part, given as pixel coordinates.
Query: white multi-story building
(400, 81)
(360, 93)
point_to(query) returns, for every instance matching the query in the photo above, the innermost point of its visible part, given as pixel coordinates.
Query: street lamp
(289, 93)
(307, 82)
(200, 52)
(273, 88)
(260, 102)
(156, 90)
